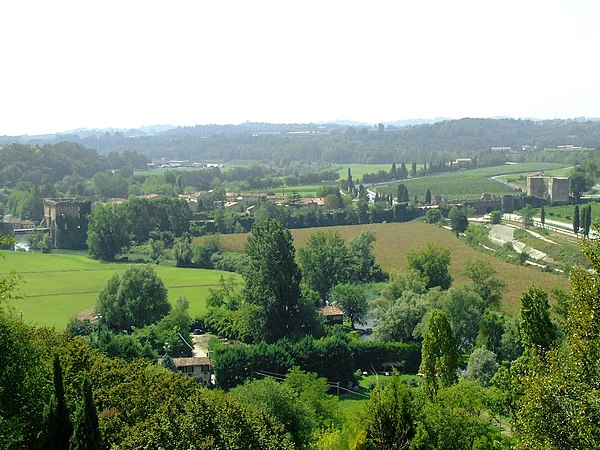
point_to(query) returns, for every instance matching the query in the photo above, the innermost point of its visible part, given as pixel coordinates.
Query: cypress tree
(543, 216)
(350, 182)
(403, 172)
(59, 428)
(428, 197)
(588, 220)
(576, 220)
(86, 433)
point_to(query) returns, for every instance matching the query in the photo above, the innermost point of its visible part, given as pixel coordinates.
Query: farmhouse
(333, 314)
(198, 367)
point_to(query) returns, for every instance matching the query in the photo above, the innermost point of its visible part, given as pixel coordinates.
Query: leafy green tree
(491, 329)
(558, 406)
(527, 216)
(107, 231)
(439, 353)
(402, 194)
(23, 383)
(401, 307)
(537, 331)
(268, 210)
(482, 366)
(463, 310)
(511, 341)
(86, 429)
(135, 299)
(389, 417)
(485, 282)
(458, 418)
(433, 216)
(364, 267)
(353, 301)
(313, 390)
(495, 217)
(458, 220)
(58, 421)
(432, 264)
(110, 185)
(281, 402)
(578, 184)
(325, 262)
(183, 251)
(273, 281)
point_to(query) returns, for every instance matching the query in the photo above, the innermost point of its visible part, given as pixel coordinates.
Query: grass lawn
(55, 287)
(565, 213)
(359, 170)
(466, 184)
(395, 240)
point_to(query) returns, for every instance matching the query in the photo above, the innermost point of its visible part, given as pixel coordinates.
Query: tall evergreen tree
(588, 220)
(58, 422)
(576, 220)
(543, 216)
(350, 182)
(86, 430)
(394, 171)
(428, 197)
(402, 194)
(413, 171)
(389, 422)
(403, 173)
(273, 281)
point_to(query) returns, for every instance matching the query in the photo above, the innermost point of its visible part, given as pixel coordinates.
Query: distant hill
(419, 139)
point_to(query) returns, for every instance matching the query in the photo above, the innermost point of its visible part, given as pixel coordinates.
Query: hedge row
(335, 358)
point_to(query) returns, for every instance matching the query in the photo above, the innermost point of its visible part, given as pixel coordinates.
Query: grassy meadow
(564, 213)
(467, 184)
(56, 287)
(358, 170)
(395, 240)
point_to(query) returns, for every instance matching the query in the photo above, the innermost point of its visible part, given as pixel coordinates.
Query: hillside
(335, 142)
(394, 240)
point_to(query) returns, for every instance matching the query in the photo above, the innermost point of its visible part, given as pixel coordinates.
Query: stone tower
(67, 220)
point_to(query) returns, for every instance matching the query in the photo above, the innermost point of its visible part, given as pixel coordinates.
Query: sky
(126, 64)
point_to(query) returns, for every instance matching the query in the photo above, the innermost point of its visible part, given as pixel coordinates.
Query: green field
(466, 184)
(565, 213)
(358, 170)
(396, 240)
(55, 287)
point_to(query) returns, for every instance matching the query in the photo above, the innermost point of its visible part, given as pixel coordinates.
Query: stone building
(67, 220)
(552, 189)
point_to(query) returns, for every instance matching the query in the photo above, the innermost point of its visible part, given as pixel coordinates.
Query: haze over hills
(333, 142)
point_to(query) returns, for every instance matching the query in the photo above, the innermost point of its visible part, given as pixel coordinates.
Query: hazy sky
(95, 64)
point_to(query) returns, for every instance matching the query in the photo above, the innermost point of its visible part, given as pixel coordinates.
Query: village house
(334, 315)
(198, 367)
